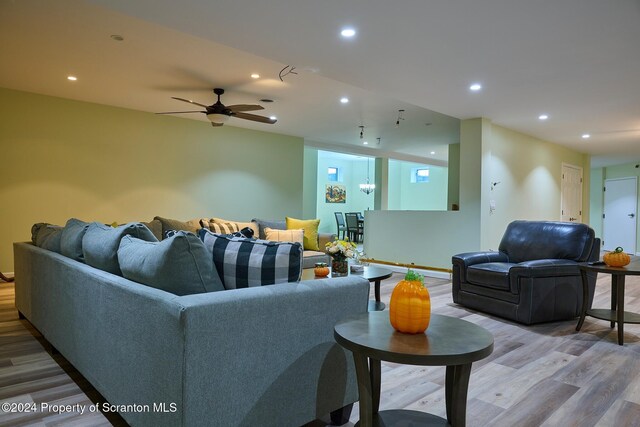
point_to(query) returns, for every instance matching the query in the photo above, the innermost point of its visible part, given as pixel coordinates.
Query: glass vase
(339, 267)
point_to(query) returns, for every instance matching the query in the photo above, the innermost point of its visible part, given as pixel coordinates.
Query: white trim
(429, 273)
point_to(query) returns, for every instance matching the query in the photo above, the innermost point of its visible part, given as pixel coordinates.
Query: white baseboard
(429, 273)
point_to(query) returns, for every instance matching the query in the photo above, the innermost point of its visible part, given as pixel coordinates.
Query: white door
(571, 193)
(619, 219)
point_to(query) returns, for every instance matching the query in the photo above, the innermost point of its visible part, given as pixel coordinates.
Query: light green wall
(596, 200)
(430, 238)
(310, 184)
(453, 197)
(407, 195)
(612, 172)
(63, 158)
(529, 173)
(354, 173)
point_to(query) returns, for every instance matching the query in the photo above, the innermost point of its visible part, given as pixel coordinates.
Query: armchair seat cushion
(493, 275)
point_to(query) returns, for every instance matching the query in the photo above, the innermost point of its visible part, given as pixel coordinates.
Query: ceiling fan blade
(253, 117)
(180, 112)
(245, 107)
(189, 101)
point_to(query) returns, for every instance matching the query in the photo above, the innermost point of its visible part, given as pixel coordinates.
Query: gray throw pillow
(71, 239)
(179, 264)
(46, 236)
(100, 243)
(265, 223)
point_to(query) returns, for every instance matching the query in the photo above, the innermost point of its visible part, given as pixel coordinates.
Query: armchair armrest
(468, 259)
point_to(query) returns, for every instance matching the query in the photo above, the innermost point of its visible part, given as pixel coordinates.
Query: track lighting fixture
(361, 132)
(400, 117)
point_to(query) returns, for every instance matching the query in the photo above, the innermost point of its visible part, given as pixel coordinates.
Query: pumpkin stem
(618, 249)
(412, 276)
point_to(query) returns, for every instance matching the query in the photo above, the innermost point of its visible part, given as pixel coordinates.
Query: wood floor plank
(541, 375)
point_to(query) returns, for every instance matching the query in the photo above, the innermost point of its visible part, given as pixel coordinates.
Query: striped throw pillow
(243, 263)
(223, 227)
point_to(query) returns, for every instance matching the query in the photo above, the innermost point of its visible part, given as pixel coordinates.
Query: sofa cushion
(493, 275)
(179, 264)
(244, 263)
(155, 226)
(284, 235)
(71, 239)
(273, 224)
(100, 243)
(47, 236)
(239, 224)
(174, 224)
(310, 227)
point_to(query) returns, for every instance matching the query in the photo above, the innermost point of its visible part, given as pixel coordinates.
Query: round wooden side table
(449, 341)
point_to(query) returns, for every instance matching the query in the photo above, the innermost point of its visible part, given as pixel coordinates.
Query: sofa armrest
(324, 238)
(251, 353)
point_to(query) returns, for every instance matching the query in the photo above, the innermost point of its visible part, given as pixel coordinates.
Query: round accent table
(371, 273)
(617, 313)
(449, 341)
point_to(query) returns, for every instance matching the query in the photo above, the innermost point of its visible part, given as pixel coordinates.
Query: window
(332, 174)
(419, 175)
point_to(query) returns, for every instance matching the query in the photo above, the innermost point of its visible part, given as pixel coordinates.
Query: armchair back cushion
(532, 240)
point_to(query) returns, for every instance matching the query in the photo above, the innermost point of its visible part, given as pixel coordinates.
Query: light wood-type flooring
(543, 375)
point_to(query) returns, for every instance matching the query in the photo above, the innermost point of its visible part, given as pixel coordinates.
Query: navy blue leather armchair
(534, 276)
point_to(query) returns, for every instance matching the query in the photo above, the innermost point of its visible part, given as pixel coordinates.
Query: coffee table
(371, 273)
(617, 313)
(449, 341)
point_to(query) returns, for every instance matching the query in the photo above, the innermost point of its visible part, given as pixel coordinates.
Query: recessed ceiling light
(543, 117)
(475, 87)
(365, 143)
(348, 32)
(255, 76)
(72, 78)
(433, 152)
(586, 136)
(273, 117)
(344, 100)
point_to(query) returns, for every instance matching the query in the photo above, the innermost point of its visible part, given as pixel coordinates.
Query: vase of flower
(339, 266)
(340, 251)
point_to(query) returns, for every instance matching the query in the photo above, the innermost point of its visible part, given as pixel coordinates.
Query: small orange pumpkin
(616, 258)
(410, 305)
(321, 269)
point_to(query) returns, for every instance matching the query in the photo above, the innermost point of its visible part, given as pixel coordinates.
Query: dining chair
(355, 229)
(340, 224)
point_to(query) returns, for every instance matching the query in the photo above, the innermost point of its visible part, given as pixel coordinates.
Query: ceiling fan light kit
(218, 113)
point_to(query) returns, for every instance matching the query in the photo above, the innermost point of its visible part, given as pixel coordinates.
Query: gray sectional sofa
(245, 357)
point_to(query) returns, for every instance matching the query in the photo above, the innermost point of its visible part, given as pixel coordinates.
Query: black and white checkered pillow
(243, 263)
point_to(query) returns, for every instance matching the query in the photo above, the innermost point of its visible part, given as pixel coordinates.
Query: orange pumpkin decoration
(410, 305)
(321, 269)
(616, 258)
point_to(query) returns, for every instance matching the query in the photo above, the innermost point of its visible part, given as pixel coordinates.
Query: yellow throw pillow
(310, 227)
(295, 236)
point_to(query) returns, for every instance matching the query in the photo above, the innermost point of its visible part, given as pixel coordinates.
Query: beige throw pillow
(296, 236)
(241, 225)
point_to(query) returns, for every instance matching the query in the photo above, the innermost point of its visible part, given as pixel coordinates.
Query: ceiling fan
(219, 113)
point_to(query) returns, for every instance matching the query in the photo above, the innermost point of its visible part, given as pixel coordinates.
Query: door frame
(604, 207)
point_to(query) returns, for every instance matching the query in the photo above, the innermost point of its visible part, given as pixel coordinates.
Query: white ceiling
(576, 60)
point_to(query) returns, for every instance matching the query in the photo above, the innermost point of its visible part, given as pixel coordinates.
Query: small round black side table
(449, 341)
(617, 313)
